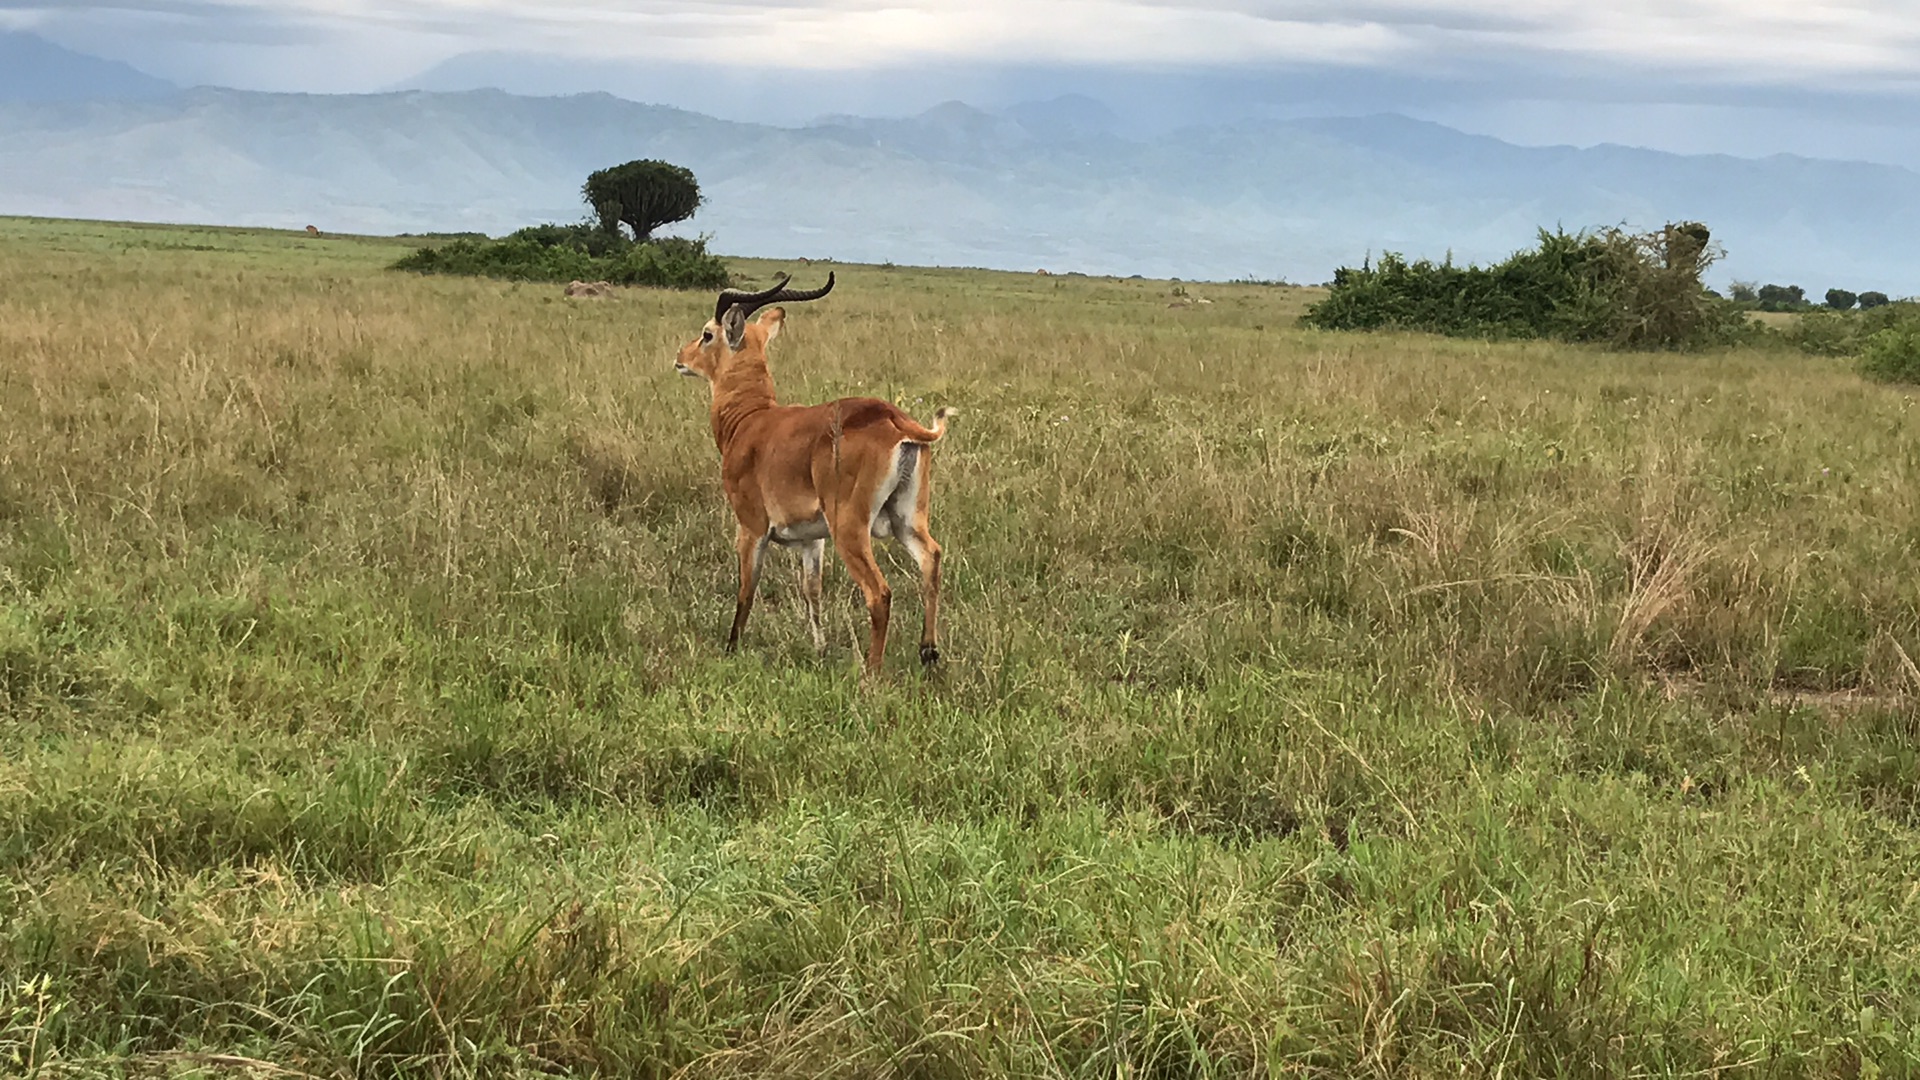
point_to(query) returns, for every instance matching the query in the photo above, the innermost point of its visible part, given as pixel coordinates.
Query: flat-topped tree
(643, 195)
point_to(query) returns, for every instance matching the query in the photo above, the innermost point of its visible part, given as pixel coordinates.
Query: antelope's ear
(772, 320)
(734, 325)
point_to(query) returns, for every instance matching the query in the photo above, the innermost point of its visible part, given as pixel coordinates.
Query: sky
(1740, 76)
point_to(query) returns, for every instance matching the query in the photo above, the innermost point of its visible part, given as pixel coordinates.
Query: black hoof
(929, 655)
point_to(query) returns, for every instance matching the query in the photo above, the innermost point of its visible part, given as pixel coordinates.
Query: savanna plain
(1313, 704)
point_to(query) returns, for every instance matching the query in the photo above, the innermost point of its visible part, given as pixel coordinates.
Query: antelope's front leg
(752, 544)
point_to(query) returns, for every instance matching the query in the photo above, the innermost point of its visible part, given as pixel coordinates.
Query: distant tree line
(1794, 298)
(1881, 334)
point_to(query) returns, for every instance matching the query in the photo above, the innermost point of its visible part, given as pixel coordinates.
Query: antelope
(852, 470)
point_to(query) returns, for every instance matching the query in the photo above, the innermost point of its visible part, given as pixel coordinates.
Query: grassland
(1315, 705)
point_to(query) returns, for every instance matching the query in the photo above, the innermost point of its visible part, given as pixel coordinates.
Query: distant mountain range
(33, 69)
(1047, 184)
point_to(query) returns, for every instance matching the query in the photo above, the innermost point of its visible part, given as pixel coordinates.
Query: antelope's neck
(747, 388)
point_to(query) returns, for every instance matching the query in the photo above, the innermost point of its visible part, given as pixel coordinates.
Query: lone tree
(643, 195)
(1841, 299)
(1873, 300)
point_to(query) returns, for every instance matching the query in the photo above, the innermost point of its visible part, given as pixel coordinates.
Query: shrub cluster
(576, 252)
(1893, 354)
(1885, 338)
(1614, 287)
(580, 236)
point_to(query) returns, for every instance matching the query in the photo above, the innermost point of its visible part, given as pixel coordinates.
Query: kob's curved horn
(752, 301)
(778, 294)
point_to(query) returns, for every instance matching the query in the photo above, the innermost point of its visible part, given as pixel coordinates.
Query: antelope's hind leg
(910, 527)
(851, 490)
(851, 537)
(856, 550)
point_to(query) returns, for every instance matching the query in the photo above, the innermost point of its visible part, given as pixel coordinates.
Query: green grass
(1316, 704)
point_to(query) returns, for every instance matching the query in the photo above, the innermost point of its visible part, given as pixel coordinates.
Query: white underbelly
(801, 532)
(893, 504)
(806, 532)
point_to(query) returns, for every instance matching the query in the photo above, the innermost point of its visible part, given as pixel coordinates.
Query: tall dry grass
(1316, 704)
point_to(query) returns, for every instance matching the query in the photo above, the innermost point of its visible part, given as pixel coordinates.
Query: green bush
(1893, 354)
(672, 262)
(580, 237)
(567, 253)
(1850, 333)
(512, 259)
(1871, 299)
(1826, 333)
(1627, 290)
(1841, 299)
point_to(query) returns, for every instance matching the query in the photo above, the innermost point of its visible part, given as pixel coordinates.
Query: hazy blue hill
(1049, 185)
(1068, 116)
(951, 132)
(33, 69)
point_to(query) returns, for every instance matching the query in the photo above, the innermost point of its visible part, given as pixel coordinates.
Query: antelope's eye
(706, 337)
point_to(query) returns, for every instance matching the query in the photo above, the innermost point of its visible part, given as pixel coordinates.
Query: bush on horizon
(1613, 287)
(1826, 332)
(577, 253)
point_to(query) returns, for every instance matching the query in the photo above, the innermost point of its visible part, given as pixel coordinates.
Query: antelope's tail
(931, 435)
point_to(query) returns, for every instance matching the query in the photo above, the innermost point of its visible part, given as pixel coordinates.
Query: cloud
(1761, 42)
(1751, 77)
